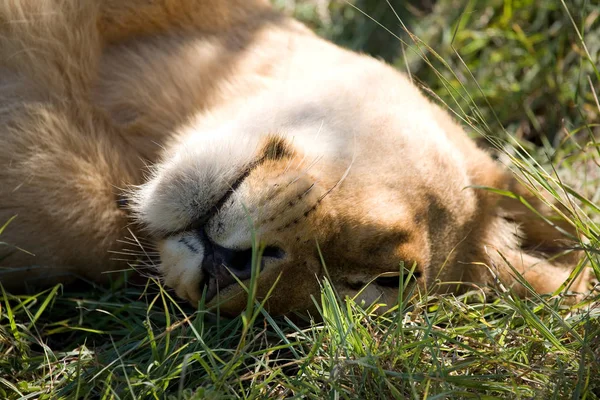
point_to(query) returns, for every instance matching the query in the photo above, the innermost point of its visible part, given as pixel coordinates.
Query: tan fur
(320, 146)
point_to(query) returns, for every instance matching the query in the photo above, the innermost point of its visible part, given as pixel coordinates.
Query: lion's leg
(61, 162)
(539, 245)
(543, 276)
(544, 230)
(54, 44)
(120, 20)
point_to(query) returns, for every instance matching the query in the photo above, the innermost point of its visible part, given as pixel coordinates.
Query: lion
(217, 127)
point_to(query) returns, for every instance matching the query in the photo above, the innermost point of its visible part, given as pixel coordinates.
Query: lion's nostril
(273, 252)
(239, 260)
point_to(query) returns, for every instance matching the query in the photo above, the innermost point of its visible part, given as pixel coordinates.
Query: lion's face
(320, 195)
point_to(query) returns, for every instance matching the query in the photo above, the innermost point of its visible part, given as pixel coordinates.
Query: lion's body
(364, 164)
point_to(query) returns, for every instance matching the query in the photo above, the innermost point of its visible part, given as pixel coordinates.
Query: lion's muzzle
(223, 267)
(194, 264)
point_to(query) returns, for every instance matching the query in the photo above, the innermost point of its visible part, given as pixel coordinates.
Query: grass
(539, 83)
(118, 344)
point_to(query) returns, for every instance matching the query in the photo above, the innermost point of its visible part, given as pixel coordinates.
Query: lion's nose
(225, 265)
(217, 258)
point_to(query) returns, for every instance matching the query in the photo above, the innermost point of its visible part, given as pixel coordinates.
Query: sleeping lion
(209, 128)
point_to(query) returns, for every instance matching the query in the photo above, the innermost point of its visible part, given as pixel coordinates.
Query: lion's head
(326, 179)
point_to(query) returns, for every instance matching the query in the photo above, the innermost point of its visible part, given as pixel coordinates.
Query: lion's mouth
(223, 267)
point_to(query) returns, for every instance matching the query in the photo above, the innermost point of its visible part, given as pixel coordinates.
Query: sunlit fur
(226, 117)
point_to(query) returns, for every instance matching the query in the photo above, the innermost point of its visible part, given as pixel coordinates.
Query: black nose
(221, 263)
(239, 262)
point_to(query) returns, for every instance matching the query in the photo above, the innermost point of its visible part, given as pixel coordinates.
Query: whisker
(344, 175)
(305, 171)
(145, 252)
(136, 241)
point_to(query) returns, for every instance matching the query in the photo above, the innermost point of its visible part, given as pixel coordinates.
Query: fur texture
(257, 132)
